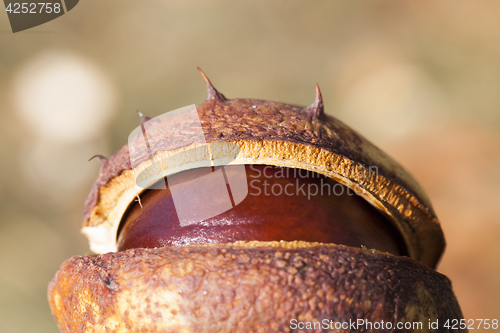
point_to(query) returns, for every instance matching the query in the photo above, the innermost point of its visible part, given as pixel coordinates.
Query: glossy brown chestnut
(281, 204)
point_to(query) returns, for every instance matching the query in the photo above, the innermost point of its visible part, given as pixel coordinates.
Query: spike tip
(101, 158)
(212, 93)
(143, 117)
(316, 109)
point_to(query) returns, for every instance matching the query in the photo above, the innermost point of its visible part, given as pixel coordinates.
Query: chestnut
(282, 205)
(271, 259)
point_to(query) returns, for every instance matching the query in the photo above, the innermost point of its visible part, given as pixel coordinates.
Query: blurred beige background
(419, 79)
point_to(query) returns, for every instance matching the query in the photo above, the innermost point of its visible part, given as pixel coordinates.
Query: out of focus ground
(419, 79)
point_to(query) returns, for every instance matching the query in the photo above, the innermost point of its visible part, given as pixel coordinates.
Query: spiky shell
(249, 131)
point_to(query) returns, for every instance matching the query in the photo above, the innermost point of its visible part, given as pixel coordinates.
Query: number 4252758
(33, 8)
(471, 324)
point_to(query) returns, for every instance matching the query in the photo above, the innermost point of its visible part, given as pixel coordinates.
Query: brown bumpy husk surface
(248, 287)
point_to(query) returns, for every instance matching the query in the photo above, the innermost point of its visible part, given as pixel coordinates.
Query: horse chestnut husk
(268, 261)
